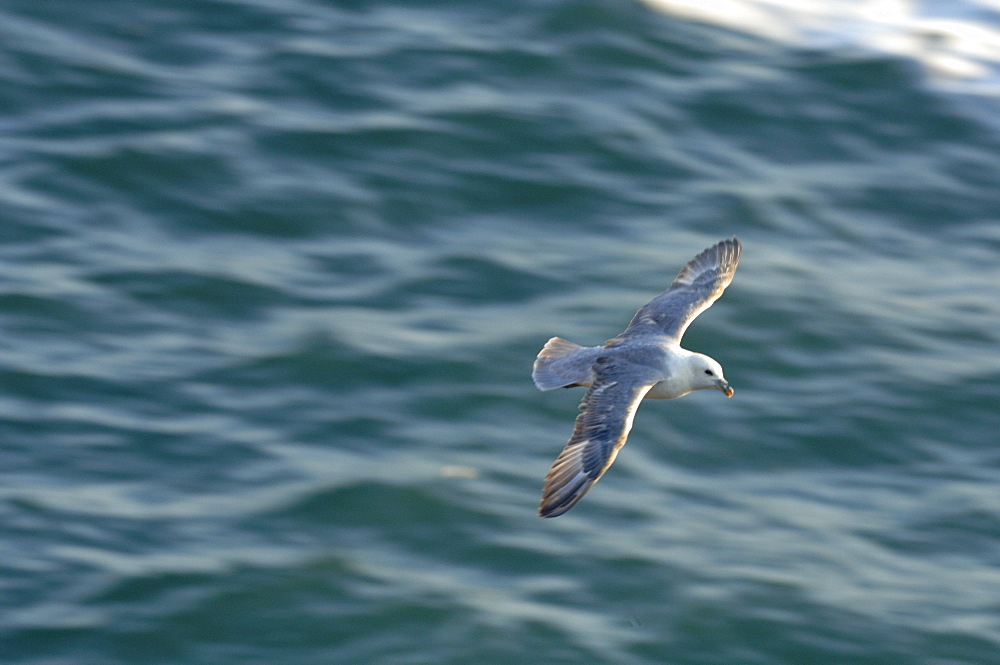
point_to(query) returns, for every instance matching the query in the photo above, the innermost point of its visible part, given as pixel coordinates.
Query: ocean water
(273, 274)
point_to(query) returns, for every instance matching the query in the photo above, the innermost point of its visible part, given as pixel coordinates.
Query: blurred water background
(273, 274)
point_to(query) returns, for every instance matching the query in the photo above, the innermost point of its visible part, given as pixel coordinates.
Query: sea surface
(273, 274)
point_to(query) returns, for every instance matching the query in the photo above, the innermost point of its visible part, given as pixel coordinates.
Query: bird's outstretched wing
(698, 285)
(601, 429)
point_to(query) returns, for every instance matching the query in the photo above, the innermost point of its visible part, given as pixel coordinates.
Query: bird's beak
(725, 387)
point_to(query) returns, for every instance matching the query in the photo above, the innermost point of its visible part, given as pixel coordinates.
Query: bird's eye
(709, 372)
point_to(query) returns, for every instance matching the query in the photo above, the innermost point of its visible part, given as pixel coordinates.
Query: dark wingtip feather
(562, 501)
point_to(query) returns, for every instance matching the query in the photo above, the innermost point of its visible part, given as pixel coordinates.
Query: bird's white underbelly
(666, 390)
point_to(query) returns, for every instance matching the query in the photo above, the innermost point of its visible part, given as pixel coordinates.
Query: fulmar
(645, 361)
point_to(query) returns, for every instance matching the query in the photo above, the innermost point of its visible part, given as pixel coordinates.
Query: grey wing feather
(601, 429)
(699, 284)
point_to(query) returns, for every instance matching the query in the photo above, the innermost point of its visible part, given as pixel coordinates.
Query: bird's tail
(563, 364)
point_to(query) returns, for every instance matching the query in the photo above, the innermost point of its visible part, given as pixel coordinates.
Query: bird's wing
(601, 429)
(698, 285)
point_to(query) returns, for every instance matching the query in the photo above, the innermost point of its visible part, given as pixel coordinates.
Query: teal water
(273, 274)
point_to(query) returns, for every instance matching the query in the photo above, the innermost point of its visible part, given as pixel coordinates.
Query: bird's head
(707, 373)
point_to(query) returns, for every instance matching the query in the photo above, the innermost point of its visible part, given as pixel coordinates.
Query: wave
(958, 44)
